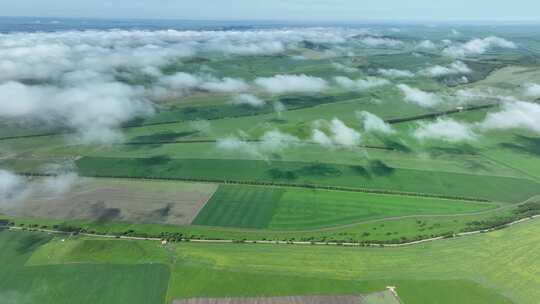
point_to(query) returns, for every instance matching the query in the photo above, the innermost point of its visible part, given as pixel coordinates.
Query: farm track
(343, 244)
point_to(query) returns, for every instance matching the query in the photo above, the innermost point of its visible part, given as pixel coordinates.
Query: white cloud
(95, 109)
(274, 141)
(319, 137)
(518, 114)
(280, 84)
(445, 129)
(225, 85)
(395, 73)
(15, 188)
(270, 142)
(341, 67)
(478, 46)
(343, 135)
(248, 99)
(426, 45)
(12, 187)
(532, 90)
(373, 123)
(457, 67)
(360, 84)
(381, 42)
(419, 97)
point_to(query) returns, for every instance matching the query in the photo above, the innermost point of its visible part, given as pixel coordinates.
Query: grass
(498, 267)
(295, 209)
(74, 282)
(240, 206)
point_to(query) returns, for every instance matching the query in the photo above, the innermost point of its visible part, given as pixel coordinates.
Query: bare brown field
(164, 202)
(384, 297)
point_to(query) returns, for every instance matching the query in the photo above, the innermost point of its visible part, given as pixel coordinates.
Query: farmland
(299, 164)
(217, 270)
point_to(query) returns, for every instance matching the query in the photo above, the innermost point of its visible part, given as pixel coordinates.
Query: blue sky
(303, 10)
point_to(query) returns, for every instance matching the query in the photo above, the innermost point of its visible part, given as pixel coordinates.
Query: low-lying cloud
(532, 90)
(419, 97)
(248, 99)
(95, 108)
(478, 46)
(339, 135)
(281, 84)
(360, 84)
(518, 114)
(445, 129)
(395, 73)
(15, 188)
(454, 68)
(270, 142)
(373, 123)
(381, 42)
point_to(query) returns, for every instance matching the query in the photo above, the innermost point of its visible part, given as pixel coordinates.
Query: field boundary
(284, 185)
(303, 243)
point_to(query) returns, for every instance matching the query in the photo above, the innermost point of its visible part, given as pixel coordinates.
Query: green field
(450, 271)
(74, 282)
(280, 208)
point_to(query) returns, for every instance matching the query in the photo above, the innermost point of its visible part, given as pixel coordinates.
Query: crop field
(278, 208)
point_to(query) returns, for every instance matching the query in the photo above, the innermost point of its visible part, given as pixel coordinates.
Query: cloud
(457, 67)
(445, 129)
(341, 67)
(340, 135)
(395, 73)
(426, 45)
(87, 80)
(280, 84)
(381, 42)
(319, 137)
(95, 109)
(270, 142)
(48, 55)
(532, 90)
(373, 123)
(343, 135)
(12, 187)
(360, 84)
(15, 188)
(248, 99)
(225, 85)
(478, 46)
(419, 97)
(517, 114)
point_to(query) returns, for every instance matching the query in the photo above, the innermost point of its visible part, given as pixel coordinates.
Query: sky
(294, 10)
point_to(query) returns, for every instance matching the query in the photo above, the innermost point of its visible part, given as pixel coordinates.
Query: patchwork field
(232, 271)
(260, 154)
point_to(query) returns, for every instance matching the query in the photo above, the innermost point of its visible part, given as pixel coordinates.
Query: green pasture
(77, 282)
(497, 267)
(296, 209)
